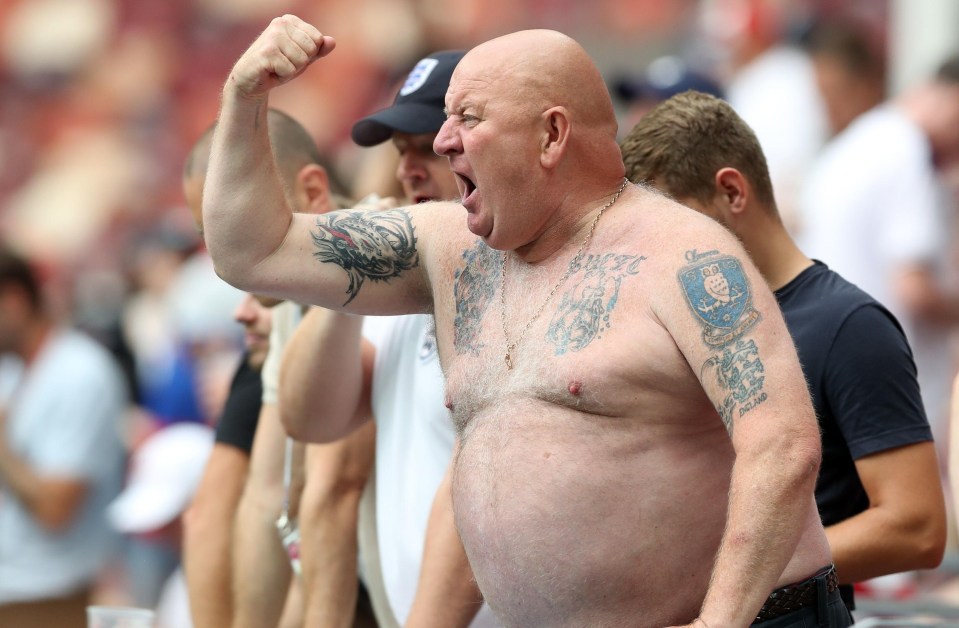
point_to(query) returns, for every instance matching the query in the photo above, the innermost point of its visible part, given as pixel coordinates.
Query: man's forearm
(51, 500)
(336, 477)
(261, 568)
(245, 212)
(770, 504)
(322, 380)
(904, 527)
(208, 537)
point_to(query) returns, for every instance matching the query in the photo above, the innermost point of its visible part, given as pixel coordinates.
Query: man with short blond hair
(878, 491)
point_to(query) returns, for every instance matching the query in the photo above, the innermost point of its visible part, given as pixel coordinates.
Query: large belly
(573, 520)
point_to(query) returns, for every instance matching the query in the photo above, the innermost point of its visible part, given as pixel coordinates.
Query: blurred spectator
(849, 69)
(207, 556)
(665, 77)
(875, 212)
(166, 471)
(770, 83)
(60, 459)
(166, 369)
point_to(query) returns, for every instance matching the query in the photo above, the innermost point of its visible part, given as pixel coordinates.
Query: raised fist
(281, 53)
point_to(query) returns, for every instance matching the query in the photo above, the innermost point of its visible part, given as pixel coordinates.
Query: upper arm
(905, 479)
(727, 324)
(363, 261)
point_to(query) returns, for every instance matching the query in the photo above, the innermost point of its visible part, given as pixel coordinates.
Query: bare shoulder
(669, 225)
(669, 233)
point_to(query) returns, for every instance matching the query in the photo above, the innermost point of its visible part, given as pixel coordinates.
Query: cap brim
(145, 508)
(413, 118)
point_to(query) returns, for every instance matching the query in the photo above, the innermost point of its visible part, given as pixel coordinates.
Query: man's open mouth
(468, 186)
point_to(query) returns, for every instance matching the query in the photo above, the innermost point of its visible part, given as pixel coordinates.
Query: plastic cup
(119, 617)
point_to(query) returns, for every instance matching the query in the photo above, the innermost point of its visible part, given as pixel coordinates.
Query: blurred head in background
(416, 115)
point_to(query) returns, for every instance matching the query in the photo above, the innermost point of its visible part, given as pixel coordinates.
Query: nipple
(575, 388)
(448, 402)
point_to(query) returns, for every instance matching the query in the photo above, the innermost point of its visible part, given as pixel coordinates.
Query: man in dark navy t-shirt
(879, 491)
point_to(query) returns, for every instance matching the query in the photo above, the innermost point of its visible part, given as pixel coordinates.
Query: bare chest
(577, 336)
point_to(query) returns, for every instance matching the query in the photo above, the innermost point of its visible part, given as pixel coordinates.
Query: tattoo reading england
(718, 293)
(374, 245)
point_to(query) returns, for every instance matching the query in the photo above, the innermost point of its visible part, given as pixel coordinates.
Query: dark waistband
(793, 597)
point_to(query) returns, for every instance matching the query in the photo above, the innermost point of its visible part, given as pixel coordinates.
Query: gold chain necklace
(573, 263)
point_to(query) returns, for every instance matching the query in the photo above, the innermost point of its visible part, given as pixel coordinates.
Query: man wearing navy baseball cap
(412, 121)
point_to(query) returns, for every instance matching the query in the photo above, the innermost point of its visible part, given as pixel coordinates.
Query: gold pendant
(509, 362)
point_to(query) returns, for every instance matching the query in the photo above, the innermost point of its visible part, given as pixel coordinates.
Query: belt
(794, 597)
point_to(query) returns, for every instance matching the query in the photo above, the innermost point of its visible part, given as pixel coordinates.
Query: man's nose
(245, 311)
(409, 166)
(445, 143)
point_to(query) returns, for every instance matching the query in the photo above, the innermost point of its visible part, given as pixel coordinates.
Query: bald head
(542, 69)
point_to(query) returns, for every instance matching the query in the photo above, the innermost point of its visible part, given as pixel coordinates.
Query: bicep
(362, 261)
(728, 326)
(905, 478)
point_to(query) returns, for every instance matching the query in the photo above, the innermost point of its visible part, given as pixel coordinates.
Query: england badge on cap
(418, 76)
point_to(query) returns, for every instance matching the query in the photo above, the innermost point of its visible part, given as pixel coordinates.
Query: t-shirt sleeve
(870, 384)
(241, 412)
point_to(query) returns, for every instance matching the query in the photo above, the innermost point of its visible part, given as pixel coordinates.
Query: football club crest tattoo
(718, 293)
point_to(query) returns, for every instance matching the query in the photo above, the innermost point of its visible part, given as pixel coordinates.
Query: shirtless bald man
(589, 331)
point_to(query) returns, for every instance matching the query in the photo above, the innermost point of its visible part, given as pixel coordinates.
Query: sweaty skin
(630, 503)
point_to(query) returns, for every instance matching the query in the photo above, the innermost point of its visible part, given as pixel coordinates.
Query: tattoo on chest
(474, 286)
(583, 312)
(374, 245)
(718, 294)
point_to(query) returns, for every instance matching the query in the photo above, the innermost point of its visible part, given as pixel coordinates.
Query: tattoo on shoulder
(718, 294)
(474, 286)
(374, 245)
(584, 311)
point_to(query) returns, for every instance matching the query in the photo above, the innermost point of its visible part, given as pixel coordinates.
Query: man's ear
(734, 191)
(556, 129)
(313, 188)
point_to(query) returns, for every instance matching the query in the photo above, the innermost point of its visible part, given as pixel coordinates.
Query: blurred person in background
(61, 459)
(244, 578)
(663, 78)
(393, 378)
(208, 522)
(770, 83)
(166, 470)
(878, 491)
(876, 211)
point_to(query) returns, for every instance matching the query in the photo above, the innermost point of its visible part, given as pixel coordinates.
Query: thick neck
(569, 225)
